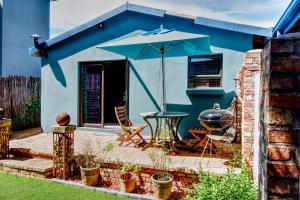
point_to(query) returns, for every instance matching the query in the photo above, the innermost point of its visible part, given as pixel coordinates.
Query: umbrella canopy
(148, 44)
(160, 43)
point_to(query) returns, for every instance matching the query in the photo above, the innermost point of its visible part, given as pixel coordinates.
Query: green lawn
(12, 188)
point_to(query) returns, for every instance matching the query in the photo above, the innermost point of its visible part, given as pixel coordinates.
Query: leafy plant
(32, 111)
(30, 118)
(161, 162)
(231, 186)
(127, 168)
(88, 159)
(237, 160)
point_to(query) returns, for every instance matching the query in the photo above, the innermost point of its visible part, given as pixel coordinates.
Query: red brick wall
(280, 108)
(246, 94)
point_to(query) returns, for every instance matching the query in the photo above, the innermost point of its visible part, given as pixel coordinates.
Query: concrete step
(28, 153)
(28, 167)
(106, 131)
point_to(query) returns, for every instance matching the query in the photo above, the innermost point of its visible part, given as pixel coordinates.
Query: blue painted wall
(21, 19)
(60, 72)
(1, 13)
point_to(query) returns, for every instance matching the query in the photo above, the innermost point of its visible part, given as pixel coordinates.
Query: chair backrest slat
(121, 115)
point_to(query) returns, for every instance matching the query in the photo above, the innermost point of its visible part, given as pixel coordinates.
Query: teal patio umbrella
(159, 43)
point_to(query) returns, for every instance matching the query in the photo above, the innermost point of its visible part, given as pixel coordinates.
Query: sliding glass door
(103, 86)
(91, 95)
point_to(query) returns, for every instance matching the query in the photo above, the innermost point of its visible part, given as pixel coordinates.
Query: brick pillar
(280, 108)
(246, 91)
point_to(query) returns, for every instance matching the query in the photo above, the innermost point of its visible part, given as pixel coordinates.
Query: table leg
(157, 129)
(175, 133)
(153, 135)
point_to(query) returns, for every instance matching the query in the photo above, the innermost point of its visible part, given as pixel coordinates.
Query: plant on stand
(162, 180)
(127, 178)
(90, 163)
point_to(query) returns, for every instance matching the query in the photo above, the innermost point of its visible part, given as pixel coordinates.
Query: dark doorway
(91, 91)
(103, 85)
(114, 89)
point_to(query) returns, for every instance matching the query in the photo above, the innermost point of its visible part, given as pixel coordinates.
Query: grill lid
(216, 118)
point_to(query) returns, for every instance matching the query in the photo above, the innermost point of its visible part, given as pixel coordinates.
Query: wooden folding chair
(129, 130)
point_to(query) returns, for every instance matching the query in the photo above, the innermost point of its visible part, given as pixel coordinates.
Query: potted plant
(127, 179)
(162, 180)
(90, 163)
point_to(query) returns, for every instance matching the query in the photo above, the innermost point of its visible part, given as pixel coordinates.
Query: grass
(19, 188)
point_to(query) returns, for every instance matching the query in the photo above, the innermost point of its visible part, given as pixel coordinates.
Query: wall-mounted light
(38, 46)
(236, 80)
(100, 26)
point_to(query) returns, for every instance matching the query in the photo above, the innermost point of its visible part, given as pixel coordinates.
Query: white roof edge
(243, 28)
(102, 18)
(171, 13)
(160, 13)
(145, 10)
(86, 25)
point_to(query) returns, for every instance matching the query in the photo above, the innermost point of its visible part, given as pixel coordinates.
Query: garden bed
(110, 178)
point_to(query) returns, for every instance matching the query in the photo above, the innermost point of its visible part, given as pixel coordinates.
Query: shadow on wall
(198, 104)
(57, 72)
(144, 86)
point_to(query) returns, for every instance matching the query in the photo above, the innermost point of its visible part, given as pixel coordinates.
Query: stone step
(106, 131)
(28, 167)
(28, 153)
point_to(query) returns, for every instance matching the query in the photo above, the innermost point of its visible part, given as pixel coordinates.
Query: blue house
(18, 21)
(289, 22)
(88, 82)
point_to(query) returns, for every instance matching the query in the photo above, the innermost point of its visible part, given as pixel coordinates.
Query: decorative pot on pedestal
(63, 146)
(2, 113)
(5, 125)
(63, 119)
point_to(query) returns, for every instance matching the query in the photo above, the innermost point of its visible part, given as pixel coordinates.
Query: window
(205, 71)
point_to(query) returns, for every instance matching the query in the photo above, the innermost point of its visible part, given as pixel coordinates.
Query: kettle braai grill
(216, 121)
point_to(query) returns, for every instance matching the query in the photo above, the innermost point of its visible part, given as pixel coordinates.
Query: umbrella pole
(163, 79)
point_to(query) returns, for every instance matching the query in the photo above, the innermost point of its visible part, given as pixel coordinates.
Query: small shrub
(33, 109)
(237, 160)
(229, 187)
(161, 162)
(89, 159)
(128, 167)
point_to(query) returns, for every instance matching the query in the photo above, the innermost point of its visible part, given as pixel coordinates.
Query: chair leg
(123, 140)
(232, 148)
(211, 146)
(134, 142)
(139, 135)
(205, 147)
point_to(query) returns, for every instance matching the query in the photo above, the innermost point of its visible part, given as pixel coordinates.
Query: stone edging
(103, 190)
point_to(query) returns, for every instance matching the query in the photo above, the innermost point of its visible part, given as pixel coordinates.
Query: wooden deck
(42, 144)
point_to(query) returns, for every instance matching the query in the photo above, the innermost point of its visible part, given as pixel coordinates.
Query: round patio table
(169, 121)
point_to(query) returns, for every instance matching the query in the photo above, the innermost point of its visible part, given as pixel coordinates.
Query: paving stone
(42, 144)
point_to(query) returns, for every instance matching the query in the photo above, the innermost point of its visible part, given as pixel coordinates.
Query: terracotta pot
(2, 113)
(63, 119)
(127, 182)
(162, 189)
(89, 176)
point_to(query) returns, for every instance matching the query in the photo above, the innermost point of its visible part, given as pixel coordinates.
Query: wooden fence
(20, 98)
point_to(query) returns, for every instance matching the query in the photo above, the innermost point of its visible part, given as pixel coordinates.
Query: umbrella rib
(143, 51)
(154, 47)
(171, 46)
